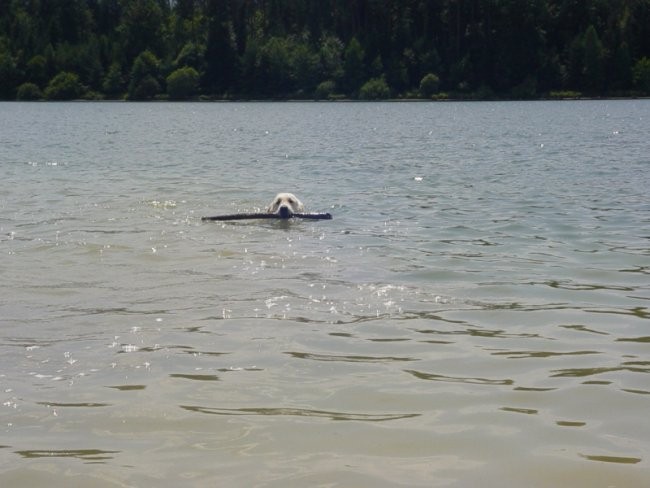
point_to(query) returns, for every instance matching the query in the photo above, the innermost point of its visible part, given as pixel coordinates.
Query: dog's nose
(285, 212)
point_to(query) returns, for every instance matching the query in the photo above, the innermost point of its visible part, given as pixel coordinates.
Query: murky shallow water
(476, 312)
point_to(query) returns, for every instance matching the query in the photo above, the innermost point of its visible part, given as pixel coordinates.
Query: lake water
(476, 313)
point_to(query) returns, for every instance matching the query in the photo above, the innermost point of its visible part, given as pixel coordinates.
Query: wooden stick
(243, 216)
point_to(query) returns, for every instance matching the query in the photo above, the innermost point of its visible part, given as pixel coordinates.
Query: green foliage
(325, 90)
(9, 74)
(642, 74)
(594, 66)
(622, 68)
(374, 89)
(275, 66)
(331, 57)
(564, 95)
(222, 60)
(145, 89)
(144, 77)
(376, 67)
(36, 71)
(113, 84)
(141, 28)
(574, 64)
(483, 92)
(280, 67)
(182, 83)
(281, 48)
(82, 59)
(429, 85)
(92, 95)
(29, 91)
(527, 89)
(353, 68)
(191, 55)
(64, 86)
(305, 67)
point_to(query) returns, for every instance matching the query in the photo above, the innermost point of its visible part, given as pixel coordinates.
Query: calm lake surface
(476, 313)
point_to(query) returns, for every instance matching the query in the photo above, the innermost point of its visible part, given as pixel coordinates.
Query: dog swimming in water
(285, 205)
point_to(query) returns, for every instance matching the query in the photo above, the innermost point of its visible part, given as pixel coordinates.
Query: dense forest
(323, 49)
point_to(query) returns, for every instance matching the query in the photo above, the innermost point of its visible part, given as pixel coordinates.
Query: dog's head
(285, 205)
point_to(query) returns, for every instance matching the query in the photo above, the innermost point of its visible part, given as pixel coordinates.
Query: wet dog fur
(285, 205)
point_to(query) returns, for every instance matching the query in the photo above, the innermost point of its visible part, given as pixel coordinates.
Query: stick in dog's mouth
(284, 206)
(285, 212)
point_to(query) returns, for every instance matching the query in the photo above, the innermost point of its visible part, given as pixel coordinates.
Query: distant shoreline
(340, 100)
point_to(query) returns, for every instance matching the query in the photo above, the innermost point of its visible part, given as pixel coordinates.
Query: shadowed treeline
(324, 49)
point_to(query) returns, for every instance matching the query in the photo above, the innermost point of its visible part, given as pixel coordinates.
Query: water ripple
(540, 354)
(195, 377)
(74, 405)
(612, 459)
(93, 455)
(128, 387)
(632, 367)
(299, 412)
(459, 379)
(349, 358)
(514, 276)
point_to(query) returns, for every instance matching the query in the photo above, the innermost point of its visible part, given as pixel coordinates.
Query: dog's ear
(273, 205)
(296, 203)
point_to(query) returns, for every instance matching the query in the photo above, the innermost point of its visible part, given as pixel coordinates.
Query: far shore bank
(337, 100)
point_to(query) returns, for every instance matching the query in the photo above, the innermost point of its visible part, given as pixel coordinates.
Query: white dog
(285, 205)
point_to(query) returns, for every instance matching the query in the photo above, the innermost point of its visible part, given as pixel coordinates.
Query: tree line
(323, 49)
